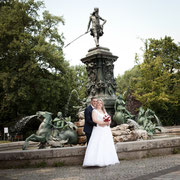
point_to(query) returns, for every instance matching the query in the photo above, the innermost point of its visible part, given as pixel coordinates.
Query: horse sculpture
(66, 133)
(44, 131)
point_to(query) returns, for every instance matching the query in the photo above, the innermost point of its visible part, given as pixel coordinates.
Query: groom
(88, 118)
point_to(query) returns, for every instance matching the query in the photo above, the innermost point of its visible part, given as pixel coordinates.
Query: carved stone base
(101, 83)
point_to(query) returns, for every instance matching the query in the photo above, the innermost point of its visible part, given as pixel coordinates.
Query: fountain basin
(17, 145)
(75, 155)
(168, 131)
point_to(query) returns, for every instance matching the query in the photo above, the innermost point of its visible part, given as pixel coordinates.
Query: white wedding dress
(100, 150)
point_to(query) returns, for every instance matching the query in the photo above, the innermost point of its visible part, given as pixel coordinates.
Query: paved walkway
(155, 168)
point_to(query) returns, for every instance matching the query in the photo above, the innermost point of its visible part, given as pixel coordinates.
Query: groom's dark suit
(88, 126)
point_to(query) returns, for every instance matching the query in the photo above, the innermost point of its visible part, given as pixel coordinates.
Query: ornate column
(101, 83)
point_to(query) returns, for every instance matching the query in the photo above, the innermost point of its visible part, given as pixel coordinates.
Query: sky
(129, 22)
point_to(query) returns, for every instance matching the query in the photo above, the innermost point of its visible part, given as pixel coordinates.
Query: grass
(39, 165)
(176, 151)
(58, 164)
(1, 142)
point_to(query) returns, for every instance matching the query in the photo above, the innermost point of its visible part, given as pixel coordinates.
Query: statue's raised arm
(97, 27)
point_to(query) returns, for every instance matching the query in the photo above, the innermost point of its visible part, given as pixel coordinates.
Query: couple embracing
(100, 145)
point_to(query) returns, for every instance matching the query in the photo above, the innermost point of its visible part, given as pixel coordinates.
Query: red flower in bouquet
(107, 118)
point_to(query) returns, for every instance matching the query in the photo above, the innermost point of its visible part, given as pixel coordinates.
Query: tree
(158, 86)
(125, 86)
(33, 72)
(128, 80)
(79, 78)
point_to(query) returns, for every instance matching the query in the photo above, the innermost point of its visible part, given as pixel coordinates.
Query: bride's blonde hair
(103, 108)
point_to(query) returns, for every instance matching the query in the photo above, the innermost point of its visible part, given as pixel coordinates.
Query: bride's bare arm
(94, 118)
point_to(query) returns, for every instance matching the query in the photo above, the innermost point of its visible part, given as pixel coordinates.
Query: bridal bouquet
(107, 118)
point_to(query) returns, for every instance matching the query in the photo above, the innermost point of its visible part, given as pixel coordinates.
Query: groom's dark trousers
(88, 126)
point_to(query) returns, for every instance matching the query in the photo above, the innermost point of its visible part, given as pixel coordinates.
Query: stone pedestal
(80, 132)
(80, 127)
(101, 83)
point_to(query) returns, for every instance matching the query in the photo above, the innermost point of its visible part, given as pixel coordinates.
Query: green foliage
(156, 82)
(176, 150)
(79, 78)
(33, 73)
(158, 86)
(2, 142)
(39, 164)
(127, 80)
(58, 164)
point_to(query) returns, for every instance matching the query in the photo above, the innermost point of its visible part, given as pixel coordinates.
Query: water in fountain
(74, 91)
(158, 121)
(25, 126)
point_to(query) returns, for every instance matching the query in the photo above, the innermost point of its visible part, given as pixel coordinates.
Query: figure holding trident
(97, 28)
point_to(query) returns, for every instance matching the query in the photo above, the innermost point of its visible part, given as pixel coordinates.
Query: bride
(100, 150)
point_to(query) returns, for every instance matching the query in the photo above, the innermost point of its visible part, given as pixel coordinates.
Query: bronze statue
(145, 119)
(97, 28)
(121, 113)
(57, 123)
(55, 132)
(44, 131)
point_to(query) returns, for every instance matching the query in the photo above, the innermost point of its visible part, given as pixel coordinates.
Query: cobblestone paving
(155, 168)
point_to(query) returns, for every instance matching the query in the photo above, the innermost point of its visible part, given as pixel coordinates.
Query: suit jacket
(88, 126)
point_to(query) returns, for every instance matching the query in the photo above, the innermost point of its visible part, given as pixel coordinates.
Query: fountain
(60, 131)
(101, 83)
(55, 132)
